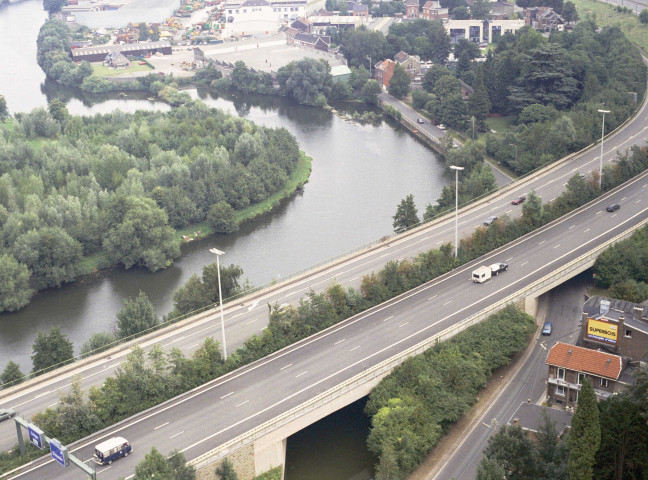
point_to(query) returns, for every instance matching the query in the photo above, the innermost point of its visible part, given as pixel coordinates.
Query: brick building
(617, 326)
(568, 365)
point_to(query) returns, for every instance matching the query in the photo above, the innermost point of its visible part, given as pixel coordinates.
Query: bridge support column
(269, 455)
(531, 306)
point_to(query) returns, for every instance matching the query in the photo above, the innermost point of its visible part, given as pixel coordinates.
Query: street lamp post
(514, 145)
(218, 253)
(602, 135)
(473, 129)
(456, 169)
(369, 58)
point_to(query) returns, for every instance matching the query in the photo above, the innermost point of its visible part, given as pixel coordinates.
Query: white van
(112, 449)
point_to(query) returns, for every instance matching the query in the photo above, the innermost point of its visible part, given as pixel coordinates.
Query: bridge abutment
(269, 455)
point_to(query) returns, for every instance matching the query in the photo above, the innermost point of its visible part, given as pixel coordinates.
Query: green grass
(500, 124)
(102, 71)
(604, 15)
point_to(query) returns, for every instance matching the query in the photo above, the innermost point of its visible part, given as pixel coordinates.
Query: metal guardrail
(389, 364)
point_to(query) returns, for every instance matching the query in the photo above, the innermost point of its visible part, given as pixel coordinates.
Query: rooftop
(585, 360)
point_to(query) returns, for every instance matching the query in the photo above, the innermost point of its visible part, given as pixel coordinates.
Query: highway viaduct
(250, 412)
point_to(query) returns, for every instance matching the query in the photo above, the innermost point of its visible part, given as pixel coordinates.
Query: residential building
(432, 11)
(544, 19)
(115, 59)
(411, 63)
(412, 8)
(319, 42)
(361, 10)
(617, 326)
(568, 365)
(383, 72)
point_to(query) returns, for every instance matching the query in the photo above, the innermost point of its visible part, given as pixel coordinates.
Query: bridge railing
(388, 365)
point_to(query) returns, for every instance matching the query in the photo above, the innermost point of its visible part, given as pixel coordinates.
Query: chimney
(636, 312)
(516, 422)
(604, 306)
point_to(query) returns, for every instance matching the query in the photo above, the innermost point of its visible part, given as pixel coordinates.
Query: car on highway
(518, 200)
(613, 208)
(6, 414)
(490, 220)
(498, 268)
(441, 126)
(420, 120)
(546, 329)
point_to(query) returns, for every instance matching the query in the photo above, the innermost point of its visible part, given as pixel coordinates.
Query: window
(603, 383)
(560, 390)
(581, 377)
(560, 373)
(628, 333)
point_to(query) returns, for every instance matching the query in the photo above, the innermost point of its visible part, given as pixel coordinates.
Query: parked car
(420, 120)
(441, 126)
(613, 208)
(519, 200)
(6, 414)
(546, 329)
(490, 220)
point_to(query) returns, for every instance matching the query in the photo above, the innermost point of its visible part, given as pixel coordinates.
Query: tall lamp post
(218, 253)
(369, 58)
(456, 169)
(602, 135)
(514, 145)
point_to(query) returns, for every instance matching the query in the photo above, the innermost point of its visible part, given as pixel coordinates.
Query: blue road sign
(35, 435)
(59, 452)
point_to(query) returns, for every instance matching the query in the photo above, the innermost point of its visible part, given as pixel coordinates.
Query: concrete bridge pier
(269, 453)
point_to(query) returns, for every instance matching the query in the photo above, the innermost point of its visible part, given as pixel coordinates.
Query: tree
(585, 434)
(138, 234)
(156, 466)
(406, 215)
(643, 16)
(490, 469)
(53, 6)
(222, 218)
(136, 316)
(225, 470)
(15, 291)
(461, 13)
(511, 448)
(480, 9)
(51, 254)
(58, 110)
(51, 350)
(4, 111)
(11, 375)
(399, 85)
(478, 103)
(570, 14)
(370, 92)
(98, 342)
(308, 81)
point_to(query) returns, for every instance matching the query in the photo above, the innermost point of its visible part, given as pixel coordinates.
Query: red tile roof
(585, 360)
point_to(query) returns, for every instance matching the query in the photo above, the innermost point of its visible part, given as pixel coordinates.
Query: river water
(359, 175)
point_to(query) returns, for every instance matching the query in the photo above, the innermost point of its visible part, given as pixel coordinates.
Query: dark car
(490, 220)
(613, 208)
(498, 268)
(546, 329)
(518, 200)
(6, 413)
(420, 120)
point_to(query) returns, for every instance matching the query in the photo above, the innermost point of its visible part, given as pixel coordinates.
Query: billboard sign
(602, 331)
(36, 435)
(59, 452)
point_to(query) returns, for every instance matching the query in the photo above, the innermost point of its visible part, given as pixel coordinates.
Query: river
(360, 174)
